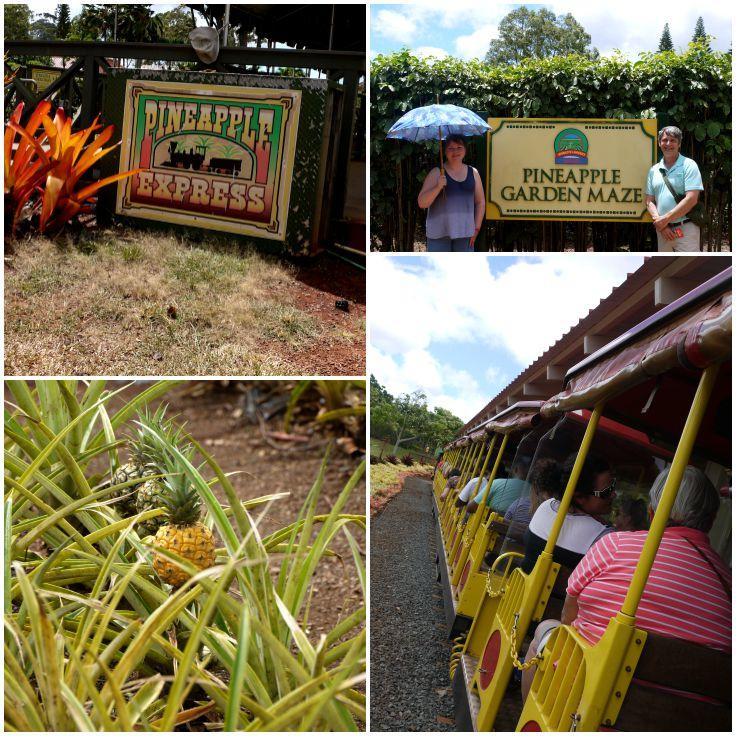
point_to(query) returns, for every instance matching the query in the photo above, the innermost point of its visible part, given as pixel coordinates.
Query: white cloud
(475, 45)
(424, 52)
(394, 25)
(459, 299)
(631, 28)
(637, 27)
(445, 386)
(465, 405)
(421, 302)
(496, 378)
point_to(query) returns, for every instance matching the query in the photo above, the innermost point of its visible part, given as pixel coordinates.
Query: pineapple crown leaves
(179, 496)
(154, 431)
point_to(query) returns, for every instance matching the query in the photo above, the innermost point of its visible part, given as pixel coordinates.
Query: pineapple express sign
(553, 169)
(212, 156)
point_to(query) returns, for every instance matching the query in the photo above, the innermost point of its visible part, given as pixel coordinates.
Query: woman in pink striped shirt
(688, 592)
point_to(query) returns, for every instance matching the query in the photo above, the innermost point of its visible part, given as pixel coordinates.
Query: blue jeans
(449, 245)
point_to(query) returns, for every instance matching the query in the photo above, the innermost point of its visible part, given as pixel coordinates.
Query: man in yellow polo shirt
(675, 230)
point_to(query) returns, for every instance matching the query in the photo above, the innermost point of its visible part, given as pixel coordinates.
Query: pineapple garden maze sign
(555, 169)
(213, 156)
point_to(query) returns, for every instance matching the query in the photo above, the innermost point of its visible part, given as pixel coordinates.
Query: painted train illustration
(194, 159)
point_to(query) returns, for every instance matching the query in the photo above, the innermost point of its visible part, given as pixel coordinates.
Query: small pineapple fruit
(145, 458)
(183, 533)
(132, 470)
(147, 498)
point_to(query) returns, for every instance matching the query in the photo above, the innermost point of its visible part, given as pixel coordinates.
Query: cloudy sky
(464, 28)
(461, 328)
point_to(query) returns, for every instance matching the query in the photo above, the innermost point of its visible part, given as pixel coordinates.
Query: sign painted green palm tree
(228, 150)
(204, 141)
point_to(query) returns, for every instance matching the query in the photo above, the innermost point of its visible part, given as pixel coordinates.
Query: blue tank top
(452, 214)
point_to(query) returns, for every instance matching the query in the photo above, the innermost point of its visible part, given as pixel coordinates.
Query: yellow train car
(659, 393)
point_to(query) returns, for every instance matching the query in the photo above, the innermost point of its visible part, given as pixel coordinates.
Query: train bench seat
(678, 686)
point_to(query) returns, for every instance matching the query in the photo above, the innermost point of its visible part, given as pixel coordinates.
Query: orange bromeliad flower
(44, 167)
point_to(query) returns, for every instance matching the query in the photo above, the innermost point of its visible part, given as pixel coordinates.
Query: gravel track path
(409, 680)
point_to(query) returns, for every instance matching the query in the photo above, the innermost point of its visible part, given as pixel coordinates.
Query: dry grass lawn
(136, 302)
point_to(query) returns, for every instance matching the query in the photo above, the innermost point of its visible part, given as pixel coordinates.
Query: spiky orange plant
(26, 162)
(48, 149)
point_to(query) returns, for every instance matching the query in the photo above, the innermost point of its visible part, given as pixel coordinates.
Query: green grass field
(127, 301)
(386, 447)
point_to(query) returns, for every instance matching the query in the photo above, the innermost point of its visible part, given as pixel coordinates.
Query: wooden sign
(214, 156)
(43, 77)
(554, 169)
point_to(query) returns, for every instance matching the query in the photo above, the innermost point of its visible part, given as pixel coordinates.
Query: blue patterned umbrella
(436, 122)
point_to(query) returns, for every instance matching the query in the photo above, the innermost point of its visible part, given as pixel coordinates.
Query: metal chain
(515, 651)
(489, 587)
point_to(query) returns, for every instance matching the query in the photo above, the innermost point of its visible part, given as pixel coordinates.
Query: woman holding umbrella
(455, 201)
(453, 193)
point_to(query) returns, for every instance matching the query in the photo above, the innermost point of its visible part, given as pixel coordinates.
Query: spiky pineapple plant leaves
(90, 609)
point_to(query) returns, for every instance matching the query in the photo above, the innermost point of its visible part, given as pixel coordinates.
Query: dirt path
(410, 685)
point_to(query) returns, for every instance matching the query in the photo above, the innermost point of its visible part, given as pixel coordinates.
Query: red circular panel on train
(490, 659)
(531, 726)
(464, 576)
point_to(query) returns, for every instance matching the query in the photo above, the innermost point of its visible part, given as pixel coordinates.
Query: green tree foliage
(176, 24)
(94, 23)
(21, 26)
(17, 19)
(63, 21)
(538, 34)
(378, 392)
(406, 421)
(691, 89)
(665, 42)
(700, 36)
(132, 23)
(43, 27)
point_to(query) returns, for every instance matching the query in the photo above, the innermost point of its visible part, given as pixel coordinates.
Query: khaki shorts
(688, 243)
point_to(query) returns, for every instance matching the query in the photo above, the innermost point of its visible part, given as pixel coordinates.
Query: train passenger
(545, 480)
(439, 462)
(687, 594)
(586, 519)
(504, 491)
(452, 481)
(631, 515)
(468, 490)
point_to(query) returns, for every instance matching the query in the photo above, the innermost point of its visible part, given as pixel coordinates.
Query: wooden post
(89, 92)
(344, 144)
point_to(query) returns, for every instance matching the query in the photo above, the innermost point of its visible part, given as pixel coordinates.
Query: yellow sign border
(276, 228)
(493, 212)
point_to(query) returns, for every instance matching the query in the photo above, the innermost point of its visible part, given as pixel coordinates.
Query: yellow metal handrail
(669, 492)
(476, 519)
(493, 574)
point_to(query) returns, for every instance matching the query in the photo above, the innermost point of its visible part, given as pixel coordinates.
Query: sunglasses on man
(606, 492)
